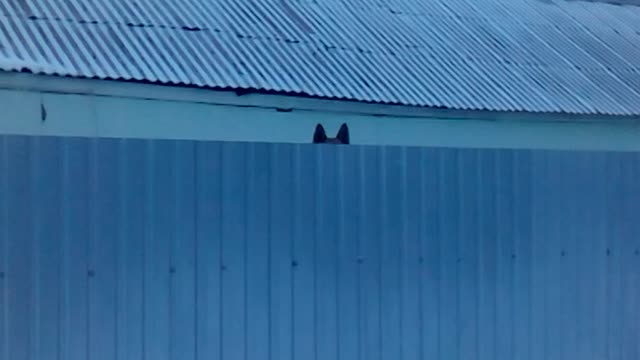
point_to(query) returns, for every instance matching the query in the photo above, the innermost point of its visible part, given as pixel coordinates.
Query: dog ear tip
(319, 135)
(343, 133)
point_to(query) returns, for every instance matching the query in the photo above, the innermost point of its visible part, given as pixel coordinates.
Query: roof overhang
(267, 100)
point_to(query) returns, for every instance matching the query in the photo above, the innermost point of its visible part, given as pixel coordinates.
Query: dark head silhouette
(320, 136)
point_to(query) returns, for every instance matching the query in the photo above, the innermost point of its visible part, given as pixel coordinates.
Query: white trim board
(45, 105)
(129, 89)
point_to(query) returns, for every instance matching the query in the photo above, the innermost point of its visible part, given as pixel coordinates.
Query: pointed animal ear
(319, 136)
(343, 134)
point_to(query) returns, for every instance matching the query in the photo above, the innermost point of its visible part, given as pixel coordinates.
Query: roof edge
(284, 101)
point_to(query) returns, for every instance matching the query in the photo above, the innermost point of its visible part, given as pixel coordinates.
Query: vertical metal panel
(487, 256)
(281, 262)
(209, 254)
(183, 254)
(448, 213)
(4, 244)
(127, 249)
(46, 166)
(348, 254)
(75, 235)
(21, 312)
(102, 256)
(390, 207)
(431, 276)
(233, 236)
(467, 254)
(160, 230)
(258, 240)
(326, 218)
(504, 196)
(413, 260)
(132, 234)
(304, 278)
(522, 255)
(370, 249)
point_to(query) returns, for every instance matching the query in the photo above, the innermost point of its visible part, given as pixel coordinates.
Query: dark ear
(319, 136)
(343, 134)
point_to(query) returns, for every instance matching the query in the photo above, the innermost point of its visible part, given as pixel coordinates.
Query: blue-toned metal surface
(502, 55)
(126, 249)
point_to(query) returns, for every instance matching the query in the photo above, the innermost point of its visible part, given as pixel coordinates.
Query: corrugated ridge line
(573, 44)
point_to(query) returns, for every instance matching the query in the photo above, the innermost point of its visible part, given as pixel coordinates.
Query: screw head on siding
(360, 260)
(91, 273)
(294, 263)
(1, 274)
(172, 270)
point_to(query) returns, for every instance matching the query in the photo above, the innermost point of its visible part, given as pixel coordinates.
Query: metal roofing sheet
(516, 55)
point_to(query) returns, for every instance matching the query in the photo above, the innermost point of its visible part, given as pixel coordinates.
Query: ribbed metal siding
(124, 249)
(515, 55)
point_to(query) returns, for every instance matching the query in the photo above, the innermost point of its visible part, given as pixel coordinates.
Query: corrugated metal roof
(502, 55)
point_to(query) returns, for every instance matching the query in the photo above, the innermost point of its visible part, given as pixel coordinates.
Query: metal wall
(124, 249)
